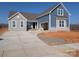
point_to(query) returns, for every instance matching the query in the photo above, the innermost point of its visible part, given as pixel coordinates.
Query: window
(21, 23)
(61, 23)
(60, 12)
(13, 23)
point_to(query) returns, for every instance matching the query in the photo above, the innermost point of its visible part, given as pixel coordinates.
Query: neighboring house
(55, 18)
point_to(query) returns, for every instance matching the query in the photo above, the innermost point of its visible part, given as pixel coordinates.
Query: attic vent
(18, 16)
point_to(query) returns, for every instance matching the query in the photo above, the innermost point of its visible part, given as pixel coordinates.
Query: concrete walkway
(27, 44)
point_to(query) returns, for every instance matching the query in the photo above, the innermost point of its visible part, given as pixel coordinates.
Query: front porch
(31, 25)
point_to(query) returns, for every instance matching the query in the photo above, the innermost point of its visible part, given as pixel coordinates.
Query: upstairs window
(13, 23)
(60, 12)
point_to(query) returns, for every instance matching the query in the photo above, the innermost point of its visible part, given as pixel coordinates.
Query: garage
(44, 26)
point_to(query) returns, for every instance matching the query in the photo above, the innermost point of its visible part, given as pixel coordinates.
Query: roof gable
(32, 16)
(29, 16)
(62, 6)
(49, 10)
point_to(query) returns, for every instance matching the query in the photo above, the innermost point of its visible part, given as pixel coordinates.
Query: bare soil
(3, 30)
(69, 37)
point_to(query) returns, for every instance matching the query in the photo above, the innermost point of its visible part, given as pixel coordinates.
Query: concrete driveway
(26, 44)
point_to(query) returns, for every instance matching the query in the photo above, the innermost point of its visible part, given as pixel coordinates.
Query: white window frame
(58, 24)
(21, 24)
(14, 24)
(59, 13)
(61, 22)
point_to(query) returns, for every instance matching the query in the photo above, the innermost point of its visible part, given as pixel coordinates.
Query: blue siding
(67, 21)
(53, 19)
(54, 16)
(42, 20)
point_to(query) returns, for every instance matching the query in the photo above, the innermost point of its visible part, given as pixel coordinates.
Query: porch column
(49, 22)
(69, 23)
(26, 23)
(37, 24)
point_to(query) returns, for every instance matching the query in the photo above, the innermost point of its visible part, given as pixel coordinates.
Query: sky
(36, 7)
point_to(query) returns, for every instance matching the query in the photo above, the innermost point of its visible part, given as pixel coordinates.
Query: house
(55, 18)
(22, 21)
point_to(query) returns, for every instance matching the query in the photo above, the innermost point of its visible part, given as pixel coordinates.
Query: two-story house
(56, 18)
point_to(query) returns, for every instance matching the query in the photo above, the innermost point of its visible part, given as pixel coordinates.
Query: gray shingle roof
(32, 16)
(49, 9)
(45, 12)
(29, 16)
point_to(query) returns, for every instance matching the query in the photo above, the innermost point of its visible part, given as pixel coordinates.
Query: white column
(49, 21)
(9, 25)
(36, 25)
(69, 23)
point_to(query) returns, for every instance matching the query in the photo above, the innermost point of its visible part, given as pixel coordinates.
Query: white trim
(37, 25)
(59, 9)
(43, 22)
(42, 15)
(13, 15)
(26, 25)
(65, 8)
(48, 12)
(65, 28)
(9, 25)
(58, 24)
(49, 24)
(54, 8)
(22, 16)
(69, 23)
(12, 24)
(23, 24)
(61, 18)
(31, 20)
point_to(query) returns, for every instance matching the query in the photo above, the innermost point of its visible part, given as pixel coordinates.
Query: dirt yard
(69, 37)
(2, 30)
